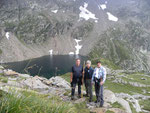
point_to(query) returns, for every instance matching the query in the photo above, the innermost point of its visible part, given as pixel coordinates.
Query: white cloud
(86, 14)
(112, 17)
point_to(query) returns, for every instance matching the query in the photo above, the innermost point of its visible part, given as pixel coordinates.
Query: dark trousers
(88, 86)
(99, 92)
(73, 85)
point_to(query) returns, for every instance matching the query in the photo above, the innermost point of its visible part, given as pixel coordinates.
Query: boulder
(1, 67)
(59, 82)
(10, 73)
(1, 71)
(34, 83)
(125, 104)
(109, 96)
(24, 75)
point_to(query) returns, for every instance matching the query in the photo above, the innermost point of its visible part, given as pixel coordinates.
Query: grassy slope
(29, 102)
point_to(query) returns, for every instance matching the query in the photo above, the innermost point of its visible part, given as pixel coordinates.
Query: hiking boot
(87, 95)
(90, 100)
(101, 105)
(79, 96)
(72, 98)
(97, 101)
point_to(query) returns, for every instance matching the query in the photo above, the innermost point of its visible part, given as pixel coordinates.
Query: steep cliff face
(118, 30)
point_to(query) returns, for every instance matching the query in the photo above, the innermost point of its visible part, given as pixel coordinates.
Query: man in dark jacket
(88, 72)
(76, 78)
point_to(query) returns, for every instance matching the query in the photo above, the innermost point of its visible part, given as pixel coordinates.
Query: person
(99, 77)
(76, 78)
(88, 72)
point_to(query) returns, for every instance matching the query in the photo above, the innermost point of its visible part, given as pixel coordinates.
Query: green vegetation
(82, 30)
(0, 51)
(117, 105)
(108, 111)
(132, 108)
(3, 79)
(66, 77)
(146, 104)
(118, 88)
(116, 45)
(81, 108)
(137, 78)
(29, 102)
(111, 50)
(106, 62)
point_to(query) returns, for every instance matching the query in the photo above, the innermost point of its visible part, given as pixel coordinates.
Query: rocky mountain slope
(115, 30)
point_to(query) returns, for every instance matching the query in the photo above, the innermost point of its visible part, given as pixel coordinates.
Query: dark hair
(98, 62)
(77, 59)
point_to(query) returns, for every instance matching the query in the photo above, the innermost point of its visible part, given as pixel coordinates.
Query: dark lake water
(46, 66)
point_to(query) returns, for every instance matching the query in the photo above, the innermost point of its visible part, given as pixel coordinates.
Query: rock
(24, 75)
(136, 84)
(79, 100)
(109, 96)
(131, 99)
(117, 110)
(98, 110)
(1, 71)
(10, 73)
(1, 67)
(34, 83)
(59, 82)
(125, 104)
(14, 83)
(143, 78)
(54, 91)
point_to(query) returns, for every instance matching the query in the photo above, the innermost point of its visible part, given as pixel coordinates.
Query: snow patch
(51, 52)
(112, 17)
(102, 6)
(71, 53)
(78, 47)
(7, 35)
(54, 11)
(86, 14)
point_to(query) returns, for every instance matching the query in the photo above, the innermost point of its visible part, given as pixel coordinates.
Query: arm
(71, 76)
(104, 77)
(93, 75)
(82, 75)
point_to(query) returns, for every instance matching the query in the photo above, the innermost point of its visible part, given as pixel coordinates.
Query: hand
(92, 83)
(70, 80)
(82, 82)
(101, 83)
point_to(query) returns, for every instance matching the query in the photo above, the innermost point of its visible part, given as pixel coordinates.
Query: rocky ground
(117, 102)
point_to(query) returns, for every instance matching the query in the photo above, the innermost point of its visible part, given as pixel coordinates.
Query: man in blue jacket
(99, 77)
(88, 72)
(76, 78)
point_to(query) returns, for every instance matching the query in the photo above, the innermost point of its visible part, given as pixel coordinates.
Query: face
(78, 62)
(88, 65)
(98, 65)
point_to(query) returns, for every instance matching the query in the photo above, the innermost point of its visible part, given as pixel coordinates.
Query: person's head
(99, 64)
(88, 63)
(77, 61)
